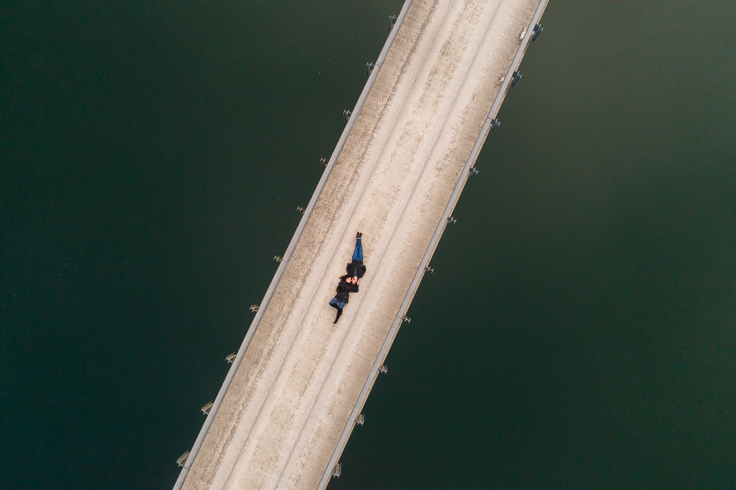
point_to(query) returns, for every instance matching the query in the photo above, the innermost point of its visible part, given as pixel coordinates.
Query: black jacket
(356, 268)
(344, 289)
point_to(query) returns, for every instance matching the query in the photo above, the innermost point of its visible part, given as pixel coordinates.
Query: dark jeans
(358, 254)
(339, 304)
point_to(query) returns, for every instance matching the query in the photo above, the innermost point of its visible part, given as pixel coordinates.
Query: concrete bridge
(298, 383)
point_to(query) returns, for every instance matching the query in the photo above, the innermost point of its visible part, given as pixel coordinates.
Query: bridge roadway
(288, 404)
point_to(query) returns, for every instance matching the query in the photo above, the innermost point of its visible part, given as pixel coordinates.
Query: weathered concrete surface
(300, 377)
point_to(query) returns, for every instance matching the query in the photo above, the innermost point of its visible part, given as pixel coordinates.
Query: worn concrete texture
(292, 395)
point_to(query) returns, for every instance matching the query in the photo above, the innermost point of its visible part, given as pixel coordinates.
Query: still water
(578, 331)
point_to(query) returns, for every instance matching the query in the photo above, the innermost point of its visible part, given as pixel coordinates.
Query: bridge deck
(299, 379)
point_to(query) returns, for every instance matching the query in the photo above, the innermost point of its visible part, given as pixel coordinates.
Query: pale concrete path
(292, 395)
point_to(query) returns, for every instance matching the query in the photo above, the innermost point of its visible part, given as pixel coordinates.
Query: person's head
(349, 280)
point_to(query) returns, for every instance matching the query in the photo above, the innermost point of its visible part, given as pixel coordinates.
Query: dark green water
(578, 331)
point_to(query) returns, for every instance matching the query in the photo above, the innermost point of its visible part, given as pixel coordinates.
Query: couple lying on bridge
(349, 282)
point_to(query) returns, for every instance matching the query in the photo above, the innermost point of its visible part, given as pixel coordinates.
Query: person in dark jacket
(347, 285)
(356, 269)
(349, 282)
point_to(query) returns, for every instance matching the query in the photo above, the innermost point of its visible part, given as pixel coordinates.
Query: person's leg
(333, 302)
(358, 253)
(339, 312)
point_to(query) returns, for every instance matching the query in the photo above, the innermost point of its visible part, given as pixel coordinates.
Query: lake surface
(578, 330)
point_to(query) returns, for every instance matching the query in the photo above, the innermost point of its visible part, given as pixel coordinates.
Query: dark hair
(342, 278)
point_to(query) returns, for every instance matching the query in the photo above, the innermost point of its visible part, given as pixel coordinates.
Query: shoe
(358, 235)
